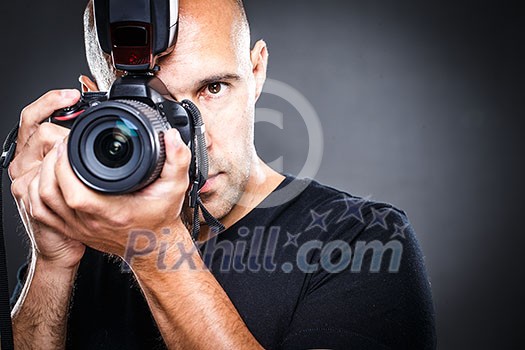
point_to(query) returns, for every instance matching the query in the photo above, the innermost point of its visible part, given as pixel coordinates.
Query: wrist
(168, 251)
(55, 266)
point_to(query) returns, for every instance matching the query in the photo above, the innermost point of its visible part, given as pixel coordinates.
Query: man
(252, 295)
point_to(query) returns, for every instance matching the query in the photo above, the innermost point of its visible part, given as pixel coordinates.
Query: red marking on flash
(133, 59)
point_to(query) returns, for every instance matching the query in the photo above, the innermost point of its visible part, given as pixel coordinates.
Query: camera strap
(6, 326)
(201, 175)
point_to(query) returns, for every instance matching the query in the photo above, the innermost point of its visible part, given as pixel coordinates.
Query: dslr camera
(116, 138)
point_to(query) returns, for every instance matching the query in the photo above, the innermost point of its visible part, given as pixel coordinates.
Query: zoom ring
(159, 125)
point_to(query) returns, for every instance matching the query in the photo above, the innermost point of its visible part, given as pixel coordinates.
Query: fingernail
(60, 150)
(69, 94)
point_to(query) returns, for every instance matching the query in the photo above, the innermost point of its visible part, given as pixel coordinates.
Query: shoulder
(338, 214)
(363, 252)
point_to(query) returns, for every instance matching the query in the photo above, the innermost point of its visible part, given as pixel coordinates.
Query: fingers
(38, 210)
(31, 153)
(47, 192)
(19, 188)
(25, 201)
(76, 195)
(178, 158)
(38, 111)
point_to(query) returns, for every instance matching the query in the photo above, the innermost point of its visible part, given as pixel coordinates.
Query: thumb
(178, 158)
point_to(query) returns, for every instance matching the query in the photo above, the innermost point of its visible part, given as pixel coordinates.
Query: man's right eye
(214, 88)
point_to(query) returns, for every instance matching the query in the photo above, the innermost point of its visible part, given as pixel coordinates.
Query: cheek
(232, 137)
(231, 119)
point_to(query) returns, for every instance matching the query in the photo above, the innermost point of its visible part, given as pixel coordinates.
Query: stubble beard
(221, 201)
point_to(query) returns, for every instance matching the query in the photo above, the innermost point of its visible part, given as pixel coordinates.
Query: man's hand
(40, 314)
(64, 215)
(36, 140)
(103, 221)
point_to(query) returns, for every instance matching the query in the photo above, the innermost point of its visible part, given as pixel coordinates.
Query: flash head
(136, 32)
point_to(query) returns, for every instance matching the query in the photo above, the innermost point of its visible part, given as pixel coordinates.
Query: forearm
(189, 305)
(40, 314)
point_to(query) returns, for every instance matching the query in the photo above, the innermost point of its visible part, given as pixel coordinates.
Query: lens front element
(113, 147)
(117, 147)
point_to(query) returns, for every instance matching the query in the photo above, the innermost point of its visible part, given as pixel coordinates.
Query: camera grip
(66, 116)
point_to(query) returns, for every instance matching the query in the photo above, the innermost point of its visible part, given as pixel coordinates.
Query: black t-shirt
(322, 270)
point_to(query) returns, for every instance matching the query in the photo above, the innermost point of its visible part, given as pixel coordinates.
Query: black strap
(213, 223)
(6, 327)
(201, 157)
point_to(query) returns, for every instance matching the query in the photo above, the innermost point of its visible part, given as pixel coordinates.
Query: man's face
(211, 66)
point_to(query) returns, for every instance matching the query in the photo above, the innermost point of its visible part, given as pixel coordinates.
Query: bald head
(214, 18)
(227, 16)
(213, 66)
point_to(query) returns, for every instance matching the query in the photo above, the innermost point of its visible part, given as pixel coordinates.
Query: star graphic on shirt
(318, 220)
(399, 231)
(378, 218)
(292, 239)
(353, 209)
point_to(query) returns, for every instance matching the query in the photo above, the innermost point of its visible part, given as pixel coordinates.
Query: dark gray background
(421, 103)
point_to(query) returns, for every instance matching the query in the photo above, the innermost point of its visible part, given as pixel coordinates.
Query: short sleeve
(381, 300)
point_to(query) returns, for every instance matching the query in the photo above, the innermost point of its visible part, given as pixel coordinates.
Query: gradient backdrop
(421, 105)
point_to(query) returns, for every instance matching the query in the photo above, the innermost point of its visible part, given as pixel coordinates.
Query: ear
(87, 84)
(259, 58)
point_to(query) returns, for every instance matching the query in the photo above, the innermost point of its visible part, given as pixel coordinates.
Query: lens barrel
(118, 146)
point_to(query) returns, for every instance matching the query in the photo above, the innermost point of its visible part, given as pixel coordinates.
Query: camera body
(116, 140)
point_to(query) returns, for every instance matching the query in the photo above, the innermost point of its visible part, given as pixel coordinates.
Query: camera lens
(113, 148)
(117, 146)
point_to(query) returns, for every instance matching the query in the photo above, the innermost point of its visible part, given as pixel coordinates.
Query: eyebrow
(219, 77)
